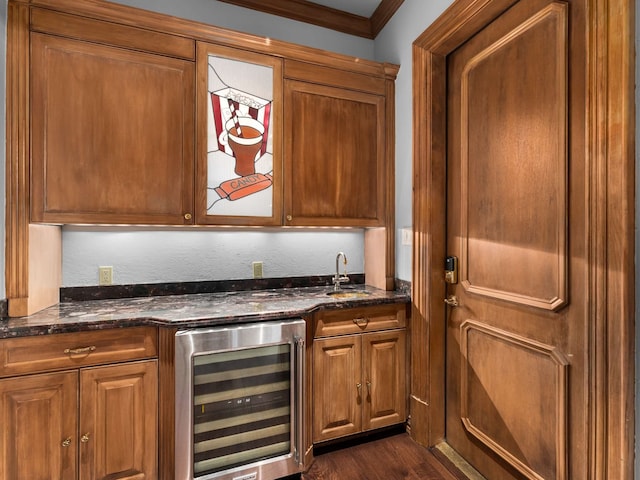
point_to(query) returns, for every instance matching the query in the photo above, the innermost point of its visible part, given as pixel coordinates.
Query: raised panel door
(118, 421)
(334, 156)
(337, 387)
(516, 336)
(38, 438)
(384, 359)
(112, 134)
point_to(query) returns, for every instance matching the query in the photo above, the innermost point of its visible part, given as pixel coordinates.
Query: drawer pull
(361, 322)
(66, 442)
(84, 438)
(77, 351)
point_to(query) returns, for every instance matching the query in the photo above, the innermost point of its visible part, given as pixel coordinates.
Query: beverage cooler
(239, 401)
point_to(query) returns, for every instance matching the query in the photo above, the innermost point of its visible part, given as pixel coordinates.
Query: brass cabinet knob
(187, 216)
(369, 386)
(289, 218)
(66, 442)
(358, 386)
(84, 438)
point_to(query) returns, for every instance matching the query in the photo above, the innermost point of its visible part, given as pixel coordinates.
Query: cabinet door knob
(187, 216)
(359, 387)
(289, 218)
(84, 438)
(66, 442)
(369, 387)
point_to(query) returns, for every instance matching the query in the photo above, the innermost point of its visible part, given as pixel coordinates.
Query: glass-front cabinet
(239, 137)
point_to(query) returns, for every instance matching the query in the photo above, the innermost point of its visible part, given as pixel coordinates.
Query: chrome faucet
(337, 279)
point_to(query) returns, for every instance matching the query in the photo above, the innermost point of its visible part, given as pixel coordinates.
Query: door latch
(451, 270)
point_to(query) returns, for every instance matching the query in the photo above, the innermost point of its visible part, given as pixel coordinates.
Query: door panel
(384, 358)
(38, 440)
(516, 340)
(118, 421)
(337, 366)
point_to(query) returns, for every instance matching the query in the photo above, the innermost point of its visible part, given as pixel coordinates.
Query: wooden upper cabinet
(239, 137)
(334, 149)
(112, 131)
(132, 125)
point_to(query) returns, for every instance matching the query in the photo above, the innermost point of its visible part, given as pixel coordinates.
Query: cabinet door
(337, 388)
(384, 364)
(38, 438)
(334, 156)
(239, 137)
(112, 134)
(118, 421)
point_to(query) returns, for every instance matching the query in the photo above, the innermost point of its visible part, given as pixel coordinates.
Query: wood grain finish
(71, 350)
(606, 64)
(88, 422)
(335, 158)
(359, 370)
(38, 413)
(109, 33)
(359, 320)
(496, 217)
(395, 457)
(337, 398)
(166, 404)
(310, 12)
(519, 411)
(119, 421)
(358, 383)
(129, 171)
(384, 369)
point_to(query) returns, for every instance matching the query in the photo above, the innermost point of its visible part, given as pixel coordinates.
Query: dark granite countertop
(188, 311)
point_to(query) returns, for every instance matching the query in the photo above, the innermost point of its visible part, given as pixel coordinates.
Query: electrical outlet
(406, 236)
(257, 269)
(105, 275)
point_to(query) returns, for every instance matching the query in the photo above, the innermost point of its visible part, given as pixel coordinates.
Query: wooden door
(516, 341)
(38, 438)
(384, 370)
(112, 134)
(118, 421)
(334, 156)
(337, 387)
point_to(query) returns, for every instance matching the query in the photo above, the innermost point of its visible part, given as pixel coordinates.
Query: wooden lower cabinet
(358, 383)
(38, 438)
(118, 421)
(89, 423)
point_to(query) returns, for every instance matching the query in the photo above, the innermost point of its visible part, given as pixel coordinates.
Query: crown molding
(334, 19)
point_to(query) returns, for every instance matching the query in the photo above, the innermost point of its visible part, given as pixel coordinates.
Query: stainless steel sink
(348, 293)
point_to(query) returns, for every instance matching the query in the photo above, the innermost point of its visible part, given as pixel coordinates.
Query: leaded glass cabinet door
(238, 137)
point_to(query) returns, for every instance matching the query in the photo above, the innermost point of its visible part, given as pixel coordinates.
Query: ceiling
(363, 18)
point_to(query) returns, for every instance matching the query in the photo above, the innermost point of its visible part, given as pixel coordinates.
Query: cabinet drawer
(71, 350)
(356, 320)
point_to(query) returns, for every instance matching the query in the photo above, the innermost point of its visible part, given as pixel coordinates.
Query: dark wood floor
(391, 457)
